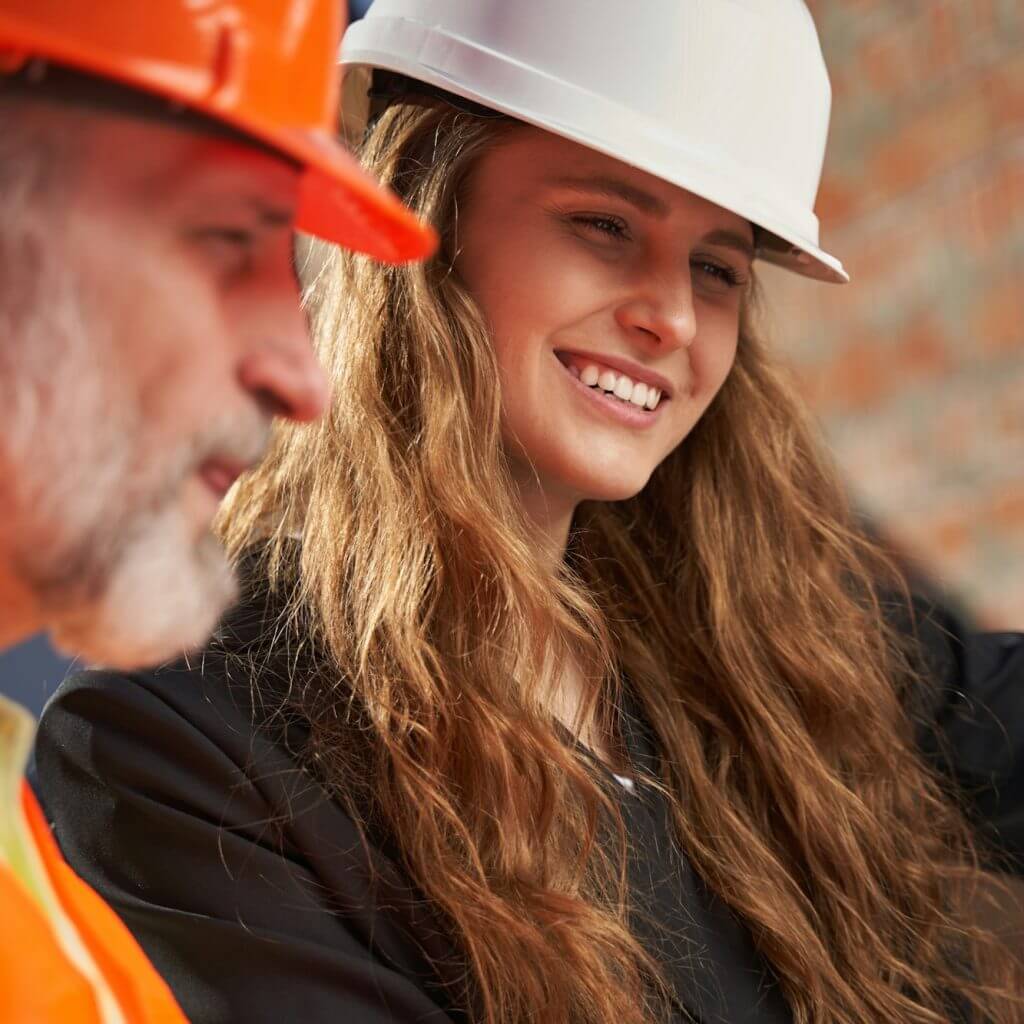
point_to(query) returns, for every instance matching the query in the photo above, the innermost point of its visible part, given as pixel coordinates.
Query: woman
(565, 689)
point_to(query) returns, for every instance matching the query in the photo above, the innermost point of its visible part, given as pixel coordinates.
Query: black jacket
(174, 795)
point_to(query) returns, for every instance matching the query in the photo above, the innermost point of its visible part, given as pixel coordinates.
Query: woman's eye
(611, 227)
(720, 276)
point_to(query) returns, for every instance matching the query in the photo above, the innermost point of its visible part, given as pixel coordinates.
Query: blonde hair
(733, 593)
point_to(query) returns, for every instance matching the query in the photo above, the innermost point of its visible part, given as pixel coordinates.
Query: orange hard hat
(264, 67)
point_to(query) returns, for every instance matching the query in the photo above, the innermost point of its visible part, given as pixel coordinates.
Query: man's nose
(283, 374)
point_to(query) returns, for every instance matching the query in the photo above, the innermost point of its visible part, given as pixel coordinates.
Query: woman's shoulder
(200, 696)
(208, 737)
(204, 725)
(181, 794)
(230, 690)
(149, 708)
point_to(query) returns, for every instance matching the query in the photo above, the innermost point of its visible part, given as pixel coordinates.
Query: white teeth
(643, 396)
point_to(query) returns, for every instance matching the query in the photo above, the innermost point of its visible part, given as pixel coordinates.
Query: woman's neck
(552, 518)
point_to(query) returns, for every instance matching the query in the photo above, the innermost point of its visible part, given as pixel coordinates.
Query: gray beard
(133, 587)
(161, 595)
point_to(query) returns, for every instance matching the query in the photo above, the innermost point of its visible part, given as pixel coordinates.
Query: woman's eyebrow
(616, 188)
(731, 240)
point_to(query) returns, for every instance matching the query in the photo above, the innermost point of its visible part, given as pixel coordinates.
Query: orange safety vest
(65, 956)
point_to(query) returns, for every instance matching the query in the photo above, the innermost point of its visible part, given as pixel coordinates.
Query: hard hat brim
(341, 203)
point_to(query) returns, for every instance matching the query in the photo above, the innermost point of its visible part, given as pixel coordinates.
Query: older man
(150, 313)
(154, 160)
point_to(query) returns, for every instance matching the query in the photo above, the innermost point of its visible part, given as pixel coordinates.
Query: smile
(630, 401)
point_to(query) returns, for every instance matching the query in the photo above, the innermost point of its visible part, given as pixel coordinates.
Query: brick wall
(916, 368)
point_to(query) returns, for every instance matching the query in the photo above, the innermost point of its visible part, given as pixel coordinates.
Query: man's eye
(229, 236)
(232, 246)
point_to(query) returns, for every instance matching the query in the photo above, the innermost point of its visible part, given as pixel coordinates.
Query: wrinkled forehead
(202, 164)
(158, 168)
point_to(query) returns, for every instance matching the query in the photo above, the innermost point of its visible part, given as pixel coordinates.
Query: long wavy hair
(734, 593)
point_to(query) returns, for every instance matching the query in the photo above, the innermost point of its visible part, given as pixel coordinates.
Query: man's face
(153, 325)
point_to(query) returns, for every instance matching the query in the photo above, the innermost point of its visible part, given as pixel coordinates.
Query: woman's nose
(662, 313)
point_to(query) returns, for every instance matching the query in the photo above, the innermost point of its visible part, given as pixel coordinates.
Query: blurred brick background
(916, 368)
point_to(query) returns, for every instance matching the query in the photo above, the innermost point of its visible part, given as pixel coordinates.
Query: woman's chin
(608, 487)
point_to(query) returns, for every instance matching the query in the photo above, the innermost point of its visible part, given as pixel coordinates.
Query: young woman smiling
(565, 689)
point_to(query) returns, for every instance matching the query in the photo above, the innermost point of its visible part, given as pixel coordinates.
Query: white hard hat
(728, 99)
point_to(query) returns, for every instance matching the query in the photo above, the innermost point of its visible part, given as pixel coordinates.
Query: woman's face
(613, 300)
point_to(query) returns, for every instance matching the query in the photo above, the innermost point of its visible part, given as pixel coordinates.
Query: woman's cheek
(712, 358)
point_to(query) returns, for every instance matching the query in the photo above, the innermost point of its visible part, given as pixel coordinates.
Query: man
(154, 160)
(149, 307)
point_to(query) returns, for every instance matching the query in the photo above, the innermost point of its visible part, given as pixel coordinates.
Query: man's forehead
(200, 166)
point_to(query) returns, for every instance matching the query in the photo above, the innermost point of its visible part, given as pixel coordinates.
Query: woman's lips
(624, 413)
(619, 365)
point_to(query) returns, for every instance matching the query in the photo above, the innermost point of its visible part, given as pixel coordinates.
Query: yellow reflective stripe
(18, 850)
